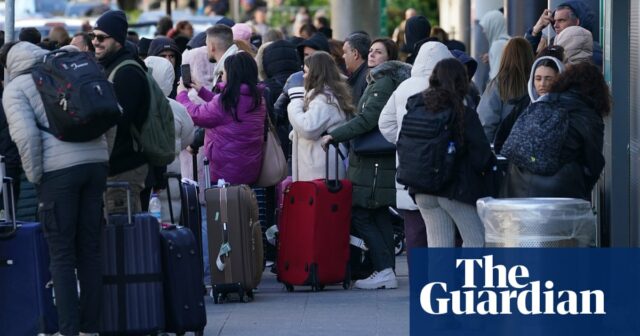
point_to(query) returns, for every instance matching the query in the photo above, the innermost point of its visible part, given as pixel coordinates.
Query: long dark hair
(448, 86)
(240, 69)
(588, 81)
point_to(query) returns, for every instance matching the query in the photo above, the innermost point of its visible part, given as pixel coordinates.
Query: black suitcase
(190, 214)
(133, 303)
(26, 294)
(183, 286)
(183, 267)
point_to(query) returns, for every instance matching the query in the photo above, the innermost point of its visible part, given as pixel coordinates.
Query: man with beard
(132, 92)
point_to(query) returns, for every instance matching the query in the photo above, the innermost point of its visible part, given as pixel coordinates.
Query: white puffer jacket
(393, 112)
(308, 157)
(40, 151)
(164, 74)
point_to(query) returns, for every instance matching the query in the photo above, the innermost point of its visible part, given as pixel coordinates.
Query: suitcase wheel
(346, 283)
(289, 288)
(218, 298)
(399, 243)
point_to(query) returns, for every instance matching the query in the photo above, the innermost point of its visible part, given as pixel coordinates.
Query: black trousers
(70, 211)
(375, 228)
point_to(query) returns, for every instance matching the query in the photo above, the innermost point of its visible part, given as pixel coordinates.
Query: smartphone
(185, 72)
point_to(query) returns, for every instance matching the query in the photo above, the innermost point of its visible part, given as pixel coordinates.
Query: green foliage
(396, 9)
(284, 15)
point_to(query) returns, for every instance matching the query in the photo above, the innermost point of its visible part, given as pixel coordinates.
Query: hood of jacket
(317, 41)
(280, 58)
(494, 26)
(201, 68)
(160, 44)
(429, 55)
(577, 43)
(22, 57)
(398, 71)
(533, 94)
(417, 28)
(583, 12)
(162, 72)
(467, 60)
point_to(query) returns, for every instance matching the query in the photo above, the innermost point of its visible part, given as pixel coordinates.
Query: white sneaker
(383, 279)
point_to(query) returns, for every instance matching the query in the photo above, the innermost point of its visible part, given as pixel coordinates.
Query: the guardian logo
(512, 292)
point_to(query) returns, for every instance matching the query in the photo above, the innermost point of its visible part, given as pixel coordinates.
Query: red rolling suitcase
(313, 240)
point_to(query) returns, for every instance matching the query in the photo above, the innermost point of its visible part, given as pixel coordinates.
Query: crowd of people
(316, 90)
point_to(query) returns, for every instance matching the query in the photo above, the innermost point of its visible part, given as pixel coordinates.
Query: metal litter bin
(537, 222)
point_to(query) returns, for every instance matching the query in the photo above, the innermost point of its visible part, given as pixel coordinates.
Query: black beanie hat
(114, 23)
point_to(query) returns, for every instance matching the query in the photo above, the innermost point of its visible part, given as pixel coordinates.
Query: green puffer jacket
(373, 187)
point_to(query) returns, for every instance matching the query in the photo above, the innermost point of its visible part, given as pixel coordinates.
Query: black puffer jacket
(581, 155)
(474, 160)
(280, 60)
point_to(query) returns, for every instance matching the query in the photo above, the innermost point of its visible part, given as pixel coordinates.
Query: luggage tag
(357, 242)
(224, 250)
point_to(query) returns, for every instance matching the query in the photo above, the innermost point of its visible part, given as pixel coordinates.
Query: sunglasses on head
(99, 37)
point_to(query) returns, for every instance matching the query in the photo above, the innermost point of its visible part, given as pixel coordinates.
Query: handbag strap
(267, 126)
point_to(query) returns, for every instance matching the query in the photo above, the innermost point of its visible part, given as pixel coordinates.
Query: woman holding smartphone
(233, 120)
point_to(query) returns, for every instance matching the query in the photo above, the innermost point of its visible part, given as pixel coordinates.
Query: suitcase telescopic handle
(167, 176)
(207, 175)
(123, 185)
(332, 185)
(9, 207)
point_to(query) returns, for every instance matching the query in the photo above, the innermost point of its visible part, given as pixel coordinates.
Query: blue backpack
(537, 137)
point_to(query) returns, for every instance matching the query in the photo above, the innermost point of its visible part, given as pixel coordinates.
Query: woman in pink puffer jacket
(234, 121)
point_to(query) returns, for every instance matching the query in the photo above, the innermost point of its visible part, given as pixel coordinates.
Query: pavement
(333, 311)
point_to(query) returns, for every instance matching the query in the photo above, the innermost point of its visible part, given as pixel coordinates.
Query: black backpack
(425, 146)
(537, 137)
(79, 101)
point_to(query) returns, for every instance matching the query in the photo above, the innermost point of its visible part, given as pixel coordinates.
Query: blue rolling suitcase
(182, 269)
(26, 293)
(133, 303)
(183, 287)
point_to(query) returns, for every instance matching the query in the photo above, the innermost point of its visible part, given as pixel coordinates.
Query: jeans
(70, 211)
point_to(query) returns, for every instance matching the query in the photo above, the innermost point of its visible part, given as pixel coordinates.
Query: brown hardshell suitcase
(235, 240)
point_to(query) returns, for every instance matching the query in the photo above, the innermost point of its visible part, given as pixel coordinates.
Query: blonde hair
(245, 46)
(262, 74)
